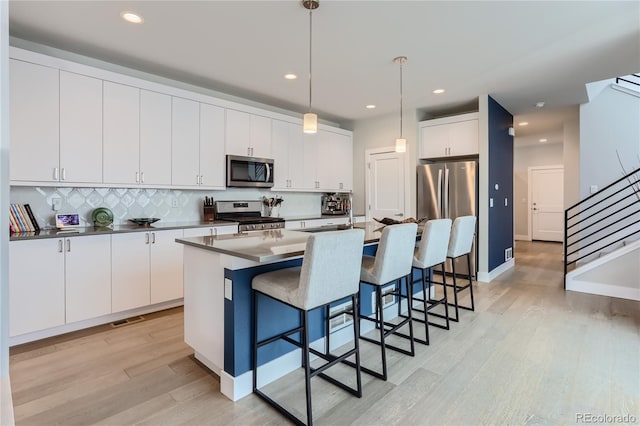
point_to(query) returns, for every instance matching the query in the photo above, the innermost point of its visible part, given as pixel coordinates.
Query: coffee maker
(335, 203)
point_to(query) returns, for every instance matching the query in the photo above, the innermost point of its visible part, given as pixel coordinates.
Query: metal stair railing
(602, 220)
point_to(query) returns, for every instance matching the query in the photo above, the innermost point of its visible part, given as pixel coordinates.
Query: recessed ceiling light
(438, 91)
(543, 140)
(290, 76)
(370, 106)
(539, 104)
(523, 123)
(132, 17)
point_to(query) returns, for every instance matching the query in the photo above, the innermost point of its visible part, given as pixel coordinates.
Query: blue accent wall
(501, 173)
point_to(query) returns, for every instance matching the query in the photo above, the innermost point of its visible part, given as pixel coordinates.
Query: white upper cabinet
(80, 128)
(35, 124)
(155, 138)
(185, 136)
(121, 134)
(287, 148)
(449, 136)
(247, 134)
(212, 160)
(335, 158)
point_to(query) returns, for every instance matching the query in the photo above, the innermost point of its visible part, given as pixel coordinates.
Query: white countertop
(269, 245)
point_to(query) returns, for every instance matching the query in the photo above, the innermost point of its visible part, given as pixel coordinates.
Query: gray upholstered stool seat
(460, 244)
(431, 251)
(330, 272)
(390, 265)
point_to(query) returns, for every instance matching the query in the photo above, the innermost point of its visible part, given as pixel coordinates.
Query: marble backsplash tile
(126, 203)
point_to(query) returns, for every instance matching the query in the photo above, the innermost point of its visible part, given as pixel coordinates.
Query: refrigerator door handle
(440, 206)
(446, 193)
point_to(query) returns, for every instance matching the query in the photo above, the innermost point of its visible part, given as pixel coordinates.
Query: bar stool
(431, 251)
(460, 243)
(329, 273)
(391, 264)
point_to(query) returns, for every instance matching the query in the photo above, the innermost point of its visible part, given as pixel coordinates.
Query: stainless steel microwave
(249, 172)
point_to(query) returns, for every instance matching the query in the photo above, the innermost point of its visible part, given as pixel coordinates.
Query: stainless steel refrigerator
(449, 190)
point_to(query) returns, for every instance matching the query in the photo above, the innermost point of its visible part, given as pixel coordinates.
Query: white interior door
(547, 203)
(386, 185)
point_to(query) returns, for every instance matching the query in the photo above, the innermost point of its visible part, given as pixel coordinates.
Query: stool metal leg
(473, 308)
(307, 367)
(455, 290)
(254, 361)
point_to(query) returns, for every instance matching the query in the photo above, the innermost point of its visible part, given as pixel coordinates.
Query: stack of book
(21, 219)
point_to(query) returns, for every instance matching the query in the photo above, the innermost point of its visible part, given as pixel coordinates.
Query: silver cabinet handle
(201, 180)
(55, 173)
(341, 185)
(137, 177)
(249, 151)
(146, 238)
(141, 177)
(197, 179)
(399, 214)
(68, 241)
(153, 238)
(59, 246)
(64, 173)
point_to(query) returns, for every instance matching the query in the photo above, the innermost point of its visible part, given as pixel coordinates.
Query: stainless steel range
(248, 214)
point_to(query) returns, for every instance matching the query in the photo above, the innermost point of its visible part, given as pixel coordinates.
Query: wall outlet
(593, 189)
(388, 299)
(174, 203)
(56, 204)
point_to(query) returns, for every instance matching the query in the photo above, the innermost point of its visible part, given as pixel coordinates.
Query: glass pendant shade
(401, 145)
(310, 123)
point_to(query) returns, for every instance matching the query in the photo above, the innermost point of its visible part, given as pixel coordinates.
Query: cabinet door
(344, 161)
(129, 270)
(463, 137)
(185, 139)
(212, 160)
(280, 151)
(155, 138)
(87, 277)
(310, 162)
(80, 128)
(296, 156)
(335, 167)
(166, 266)
(260, 136)
(434, 141)
(36, 292)
(121, 134)
(237, 133)
(34, 106)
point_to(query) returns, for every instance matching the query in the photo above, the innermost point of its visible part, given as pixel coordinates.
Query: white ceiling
(518, 52)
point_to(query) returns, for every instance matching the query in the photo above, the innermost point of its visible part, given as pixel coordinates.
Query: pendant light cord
(401, 99)
(310, 51)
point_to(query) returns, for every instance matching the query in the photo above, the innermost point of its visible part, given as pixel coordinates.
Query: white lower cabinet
(166, 266)
(36, 293)
(146, 268)
(71, 282)
(87, 277)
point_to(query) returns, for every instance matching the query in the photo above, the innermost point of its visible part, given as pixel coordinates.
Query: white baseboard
(522, 237)
(604, 289)
(487, 277)
(105, 319)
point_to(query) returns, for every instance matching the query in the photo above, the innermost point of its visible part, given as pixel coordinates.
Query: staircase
(602, 241)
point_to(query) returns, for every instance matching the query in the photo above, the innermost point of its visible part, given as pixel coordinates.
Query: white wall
(608, 123)
(523, 158)
(381, 132)
(571, 160)
(6, 409)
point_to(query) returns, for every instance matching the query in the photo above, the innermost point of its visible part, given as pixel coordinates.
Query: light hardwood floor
(530, 354)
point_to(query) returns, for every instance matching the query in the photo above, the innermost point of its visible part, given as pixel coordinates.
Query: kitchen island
(217, 302)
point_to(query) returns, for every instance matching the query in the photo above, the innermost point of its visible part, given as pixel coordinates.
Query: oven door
(249, 172)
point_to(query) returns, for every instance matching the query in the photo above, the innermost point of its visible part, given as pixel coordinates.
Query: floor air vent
(127, 321)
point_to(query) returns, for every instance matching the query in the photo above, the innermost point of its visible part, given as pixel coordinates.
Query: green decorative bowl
(102, 216)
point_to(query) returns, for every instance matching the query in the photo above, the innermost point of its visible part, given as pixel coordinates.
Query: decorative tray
(144, 220)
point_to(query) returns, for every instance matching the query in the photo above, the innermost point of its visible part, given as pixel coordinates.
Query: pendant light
(310, 119)
(401, 143)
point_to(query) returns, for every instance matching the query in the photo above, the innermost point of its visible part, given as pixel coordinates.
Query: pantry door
(385, 181)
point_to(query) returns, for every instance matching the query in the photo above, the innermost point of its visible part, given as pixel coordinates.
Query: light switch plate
(228, 289)
(56, 204)
(593, 189)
